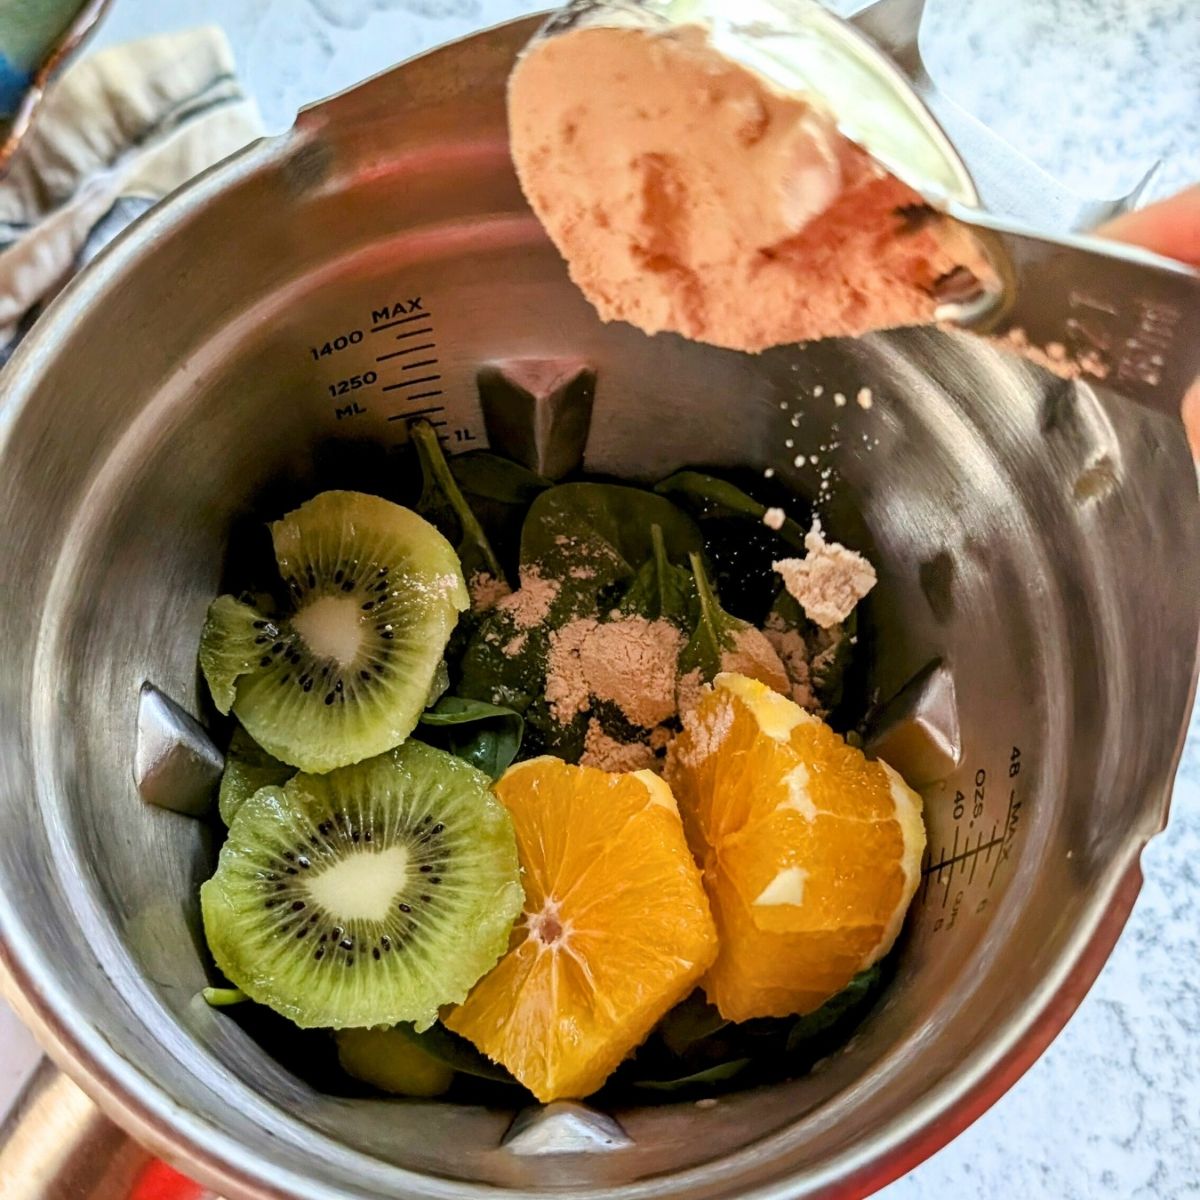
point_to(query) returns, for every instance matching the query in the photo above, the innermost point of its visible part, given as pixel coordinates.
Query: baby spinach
(588, 538)
(598, 534)
(488, 671)
(248, 767)
(807, 1031)
(499, 493)
(710, 1075)
(456, 1053)
(444, 506)
(485, 735)
(714, 633)
(689, 1023)
(694, 1046)
(486, 476)
(707, 496)
(660, 590)
(515, 679)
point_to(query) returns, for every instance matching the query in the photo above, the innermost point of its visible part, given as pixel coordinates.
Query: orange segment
(811, 853)
(616, 931)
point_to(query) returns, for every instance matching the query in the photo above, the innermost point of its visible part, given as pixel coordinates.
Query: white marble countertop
(1095, 91)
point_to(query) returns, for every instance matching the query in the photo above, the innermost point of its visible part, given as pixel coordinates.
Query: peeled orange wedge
(616, 928)
(811, 853)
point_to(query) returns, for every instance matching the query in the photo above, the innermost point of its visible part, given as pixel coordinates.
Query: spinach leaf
(715, 631)
(456, 1053)
(599, 534)
(485, 735)
(690, 1022)
(693, 1045)
(444, 506)
(486, 476)
(846, 1005)
(516, 680)
(489, 672)
(707, 496)
(248, 767)
(587, 538)
(499, 493)
(717, 1074)
(660, 590)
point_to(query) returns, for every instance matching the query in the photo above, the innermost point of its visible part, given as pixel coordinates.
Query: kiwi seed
(374, 592)
(368, 896)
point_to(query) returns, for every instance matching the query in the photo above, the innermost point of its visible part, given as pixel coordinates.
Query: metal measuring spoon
(1080, 305)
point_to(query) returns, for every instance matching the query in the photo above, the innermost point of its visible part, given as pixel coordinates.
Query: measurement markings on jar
(955, 867)
(405, 368)
(402, 353)
(412, 364)
(966, 859)
(421, 316)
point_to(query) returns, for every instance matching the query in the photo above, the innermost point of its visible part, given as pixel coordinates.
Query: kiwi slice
(248, 767)
(368, 896)
(374, 592)
(392, 1062)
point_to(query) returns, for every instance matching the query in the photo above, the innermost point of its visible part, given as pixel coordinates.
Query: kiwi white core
(362, 887)
(332, 627)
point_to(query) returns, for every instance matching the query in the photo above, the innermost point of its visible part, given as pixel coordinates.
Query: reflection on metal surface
(57, 1145)
(918, 732)
(175, 763)
(563, 1128)
(538, 411)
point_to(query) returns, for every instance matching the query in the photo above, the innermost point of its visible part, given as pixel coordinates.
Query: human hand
(1170, 227)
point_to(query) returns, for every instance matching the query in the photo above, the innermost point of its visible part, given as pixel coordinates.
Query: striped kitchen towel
(119, 131)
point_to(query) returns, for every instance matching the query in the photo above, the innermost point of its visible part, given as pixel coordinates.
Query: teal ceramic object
(36, 38)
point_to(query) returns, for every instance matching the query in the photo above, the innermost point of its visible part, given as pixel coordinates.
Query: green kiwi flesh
(392, 1062)
(375, 592)
(368, 896)
(248, 767)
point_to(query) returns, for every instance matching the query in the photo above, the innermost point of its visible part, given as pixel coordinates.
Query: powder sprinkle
(752, 654)
(530, 604)
(486, 590)
(608, 754)
(630, 662)
(789, 644)
(705, 732)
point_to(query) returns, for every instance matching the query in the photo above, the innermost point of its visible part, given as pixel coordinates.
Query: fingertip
(1191, 418)
(1170, 227)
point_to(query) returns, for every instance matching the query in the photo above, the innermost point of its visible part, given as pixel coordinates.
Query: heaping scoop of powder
(688, 194)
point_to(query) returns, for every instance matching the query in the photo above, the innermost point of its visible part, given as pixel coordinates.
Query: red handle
(157, 1181)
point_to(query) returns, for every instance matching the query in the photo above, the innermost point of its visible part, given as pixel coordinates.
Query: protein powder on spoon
(690, 194)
